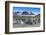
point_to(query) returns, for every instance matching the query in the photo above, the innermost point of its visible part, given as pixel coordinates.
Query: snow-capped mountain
(23, 13)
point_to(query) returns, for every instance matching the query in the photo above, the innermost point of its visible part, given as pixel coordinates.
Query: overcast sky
(28, 9)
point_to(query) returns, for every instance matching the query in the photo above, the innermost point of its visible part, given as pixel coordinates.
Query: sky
(28, 9)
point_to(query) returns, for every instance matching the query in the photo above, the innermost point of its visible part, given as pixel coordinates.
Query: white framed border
(11, 29)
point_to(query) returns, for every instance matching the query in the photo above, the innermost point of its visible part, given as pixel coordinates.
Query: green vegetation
(23, 17)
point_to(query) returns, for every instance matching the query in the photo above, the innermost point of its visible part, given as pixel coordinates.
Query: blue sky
(28, 9)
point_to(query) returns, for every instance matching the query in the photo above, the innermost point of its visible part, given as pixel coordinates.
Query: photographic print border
(7, 16)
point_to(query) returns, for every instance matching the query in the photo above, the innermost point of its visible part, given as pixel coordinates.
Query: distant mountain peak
(18, 12)
(24, 13)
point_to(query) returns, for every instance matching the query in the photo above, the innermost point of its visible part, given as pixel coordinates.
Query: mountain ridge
(24, 13)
